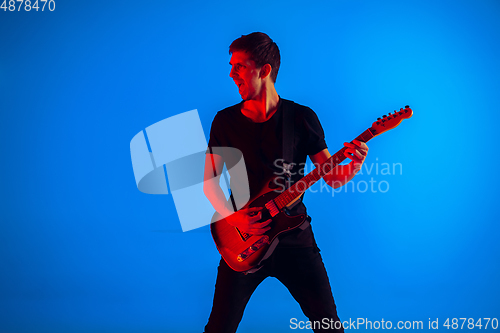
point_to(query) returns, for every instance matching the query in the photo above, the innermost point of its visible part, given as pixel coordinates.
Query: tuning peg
(407, 107)
(390, 113)
(384, 116)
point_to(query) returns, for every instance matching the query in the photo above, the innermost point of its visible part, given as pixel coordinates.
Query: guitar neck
(319, 172)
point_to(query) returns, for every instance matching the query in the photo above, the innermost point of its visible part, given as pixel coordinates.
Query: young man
(255, 127)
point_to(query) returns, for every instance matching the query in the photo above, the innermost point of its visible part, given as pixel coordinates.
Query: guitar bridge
(254, 248)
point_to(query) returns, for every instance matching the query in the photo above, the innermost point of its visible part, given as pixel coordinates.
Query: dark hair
(262, 50)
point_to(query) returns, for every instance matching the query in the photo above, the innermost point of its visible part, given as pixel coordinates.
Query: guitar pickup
(253, 248)
(272, 208)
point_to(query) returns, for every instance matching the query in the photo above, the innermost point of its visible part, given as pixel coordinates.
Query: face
(245, 75)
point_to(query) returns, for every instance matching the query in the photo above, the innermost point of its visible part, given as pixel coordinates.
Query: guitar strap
(288, 139)
(288, 146)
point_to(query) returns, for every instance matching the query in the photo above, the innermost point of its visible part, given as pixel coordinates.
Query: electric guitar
(243, 252)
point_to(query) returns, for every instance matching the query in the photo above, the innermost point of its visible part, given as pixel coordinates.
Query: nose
(232, 73)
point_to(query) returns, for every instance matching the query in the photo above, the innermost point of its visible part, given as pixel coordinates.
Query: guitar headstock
(388, 122)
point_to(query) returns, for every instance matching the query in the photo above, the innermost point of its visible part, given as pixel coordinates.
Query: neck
(262, 107)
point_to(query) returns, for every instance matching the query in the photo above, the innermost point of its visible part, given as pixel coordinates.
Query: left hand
(356, 151)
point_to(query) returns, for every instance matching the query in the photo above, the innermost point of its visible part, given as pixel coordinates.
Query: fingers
(361, 147)
(252, 210)
(354, 155)
(251, 214)
(356, 151)
(262, 224)
(255, 218)
(260, 228)
(360, 144)
(254, 226)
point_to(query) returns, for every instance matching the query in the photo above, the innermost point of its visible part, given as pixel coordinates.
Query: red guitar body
(243, 252)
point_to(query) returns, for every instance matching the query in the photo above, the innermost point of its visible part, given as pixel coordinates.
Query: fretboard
(319, 172)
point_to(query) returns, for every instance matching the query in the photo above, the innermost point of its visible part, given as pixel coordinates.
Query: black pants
(301, 270)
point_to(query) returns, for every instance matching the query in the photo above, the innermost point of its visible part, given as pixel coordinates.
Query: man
(254, 126)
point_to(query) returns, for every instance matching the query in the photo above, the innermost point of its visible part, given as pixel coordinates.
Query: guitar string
(307, 181)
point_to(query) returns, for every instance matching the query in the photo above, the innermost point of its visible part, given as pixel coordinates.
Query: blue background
(82, 250)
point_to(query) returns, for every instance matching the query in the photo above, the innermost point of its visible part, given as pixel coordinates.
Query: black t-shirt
(262, 147)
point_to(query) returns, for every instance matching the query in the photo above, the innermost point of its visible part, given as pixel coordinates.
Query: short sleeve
(314, 134)
(216, 134)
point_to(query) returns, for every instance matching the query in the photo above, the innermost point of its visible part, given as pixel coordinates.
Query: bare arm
(342, 174)
(246, 219)
(211, 187)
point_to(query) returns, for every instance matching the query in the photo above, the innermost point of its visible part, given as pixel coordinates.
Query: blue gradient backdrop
(82, 250)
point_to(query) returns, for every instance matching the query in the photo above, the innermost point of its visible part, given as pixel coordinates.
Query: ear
(265, 71)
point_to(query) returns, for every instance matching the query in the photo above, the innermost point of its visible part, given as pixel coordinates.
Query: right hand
(247, 221)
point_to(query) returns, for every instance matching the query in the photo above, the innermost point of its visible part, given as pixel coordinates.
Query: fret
(279, 201)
